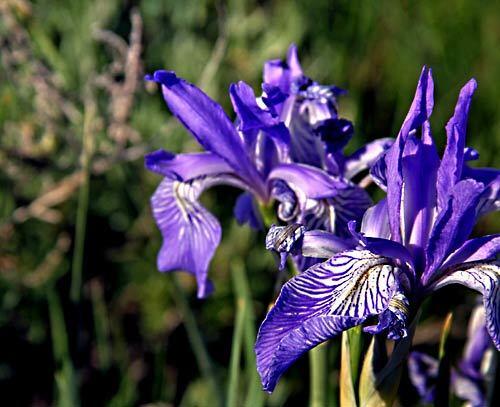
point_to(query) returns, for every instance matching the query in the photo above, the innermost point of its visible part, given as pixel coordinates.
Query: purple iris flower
(317, 134)
(411, 243)
(252, 154)
(469, 379)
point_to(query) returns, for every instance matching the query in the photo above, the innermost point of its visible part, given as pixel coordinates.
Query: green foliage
(125, 341)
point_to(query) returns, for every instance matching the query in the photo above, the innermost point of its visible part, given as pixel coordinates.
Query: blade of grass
(196, 340)
(442, 393)
(83, 200)
(65, 375)
(234, 366)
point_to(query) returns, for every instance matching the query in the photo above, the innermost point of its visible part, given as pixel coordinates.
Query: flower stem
(255, 395)
(196, 341)
(318, 358)
(234, 367)
(83, 201)
(67, 391)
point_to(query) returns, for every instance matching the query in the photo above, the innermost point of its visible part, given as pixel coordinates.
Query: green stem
(83, 203)
(101, 325)
(318, 358)
(65, 374)
(255, 395)
(234, 367)
(196, 340)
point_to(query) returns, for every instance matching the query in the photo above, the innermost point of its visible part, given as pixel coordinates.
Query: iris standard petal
(320, 303)
(452, 226)
(376, 222)
(420, 110)
(253, 119)
(450, 170)
(208, 123)
(420, 166)
(484, 278)
(185, 166)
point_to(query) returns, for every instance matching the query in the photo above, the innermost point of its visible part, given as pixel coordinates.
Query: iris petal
(478, 249)
(185, 166)
(208, 123)
(450, 170)
(452, 226)
(366, 157)
(320, 303)
(484, 278)
(190, 233)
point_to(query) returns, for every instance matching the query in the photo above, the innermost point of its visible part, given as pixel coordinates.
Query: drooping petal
(320, 303)
(185, 166)
(190, 233)
(450, 170)
(452, 226)
(478, 249)
(484, 278)
(366, 157)
(246, 211)
(208, 123)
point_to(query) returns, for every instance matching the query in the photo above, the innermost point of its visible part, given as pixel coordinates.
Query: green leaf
(379, 380)
(347, 394)
(442, 396)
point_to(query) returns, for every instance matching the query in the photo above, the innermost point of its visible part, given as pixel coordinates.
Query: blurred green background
(85, 318)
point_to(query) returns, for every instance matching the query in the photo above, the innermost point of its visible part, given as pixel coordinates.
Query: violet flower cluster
(285, 148)
(411, 243)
